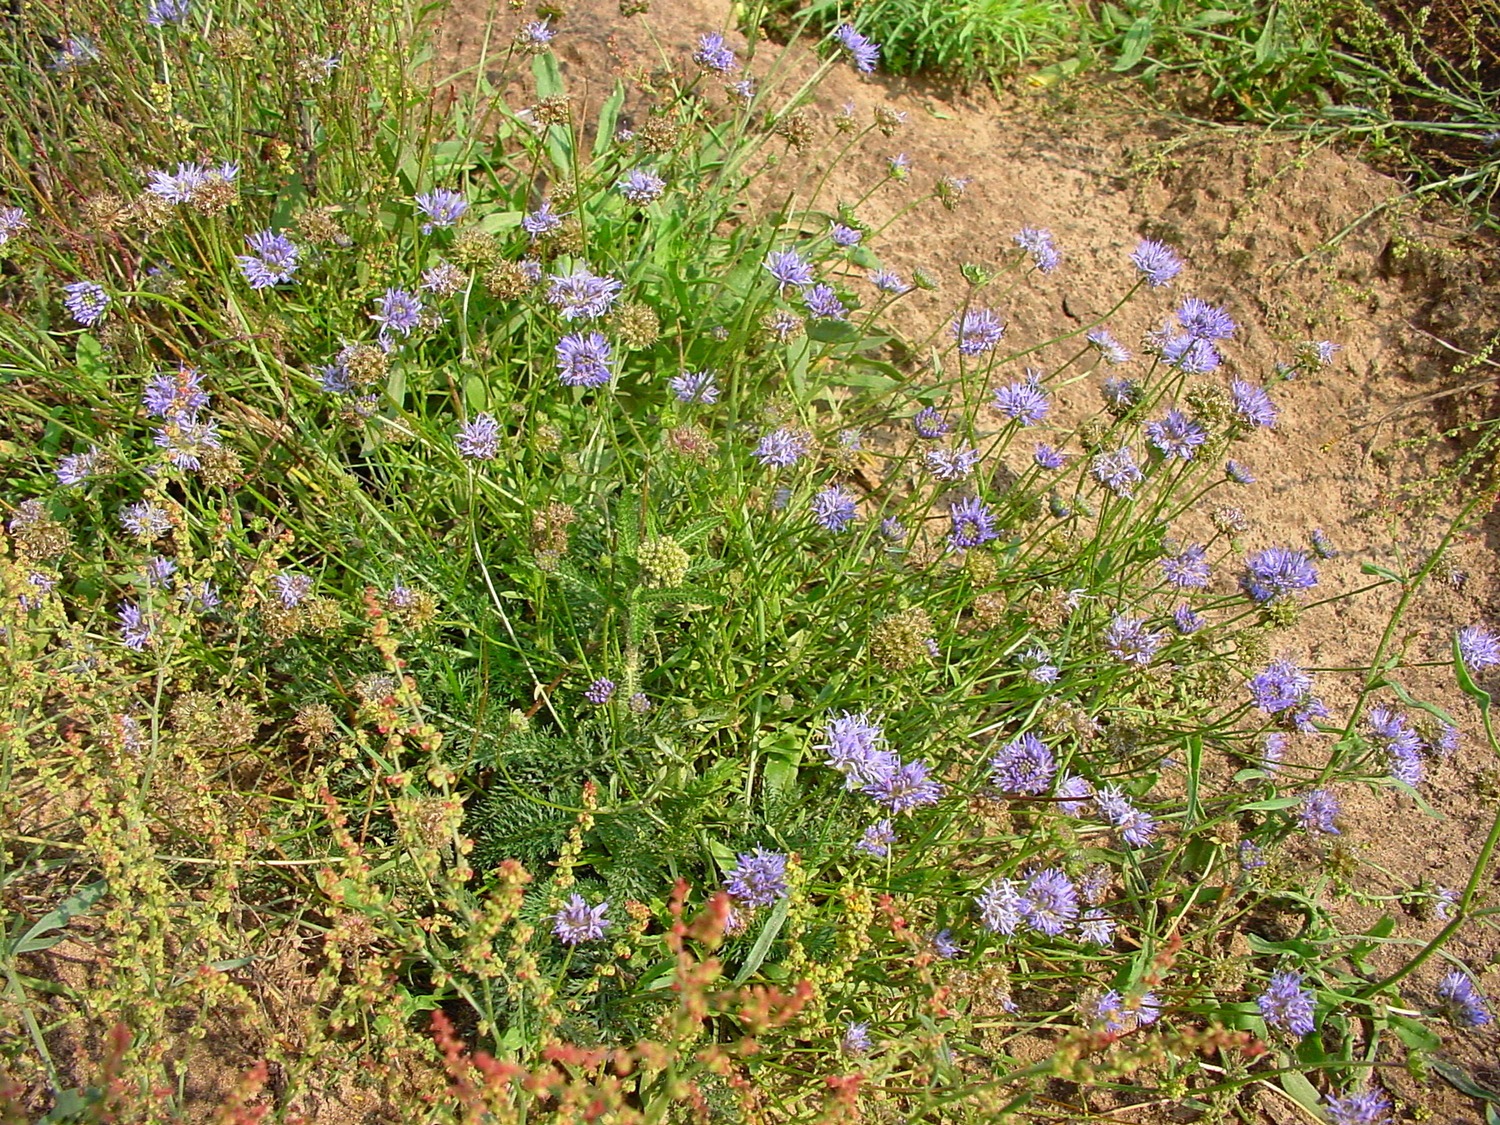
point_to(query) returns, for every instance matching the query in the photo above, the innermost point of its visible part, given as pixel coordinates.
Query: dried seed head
(899, 641)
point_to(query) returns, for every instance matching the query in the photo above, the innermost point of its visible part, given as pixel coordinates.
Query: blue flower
(272, 260)
(1286, 1005)
(1129, 641)
(1189, 570)
(781, 449)
(1176, 435)
(864, 53)
(1185, 620)
(712, 54)
(856, 1040)
(1157, 262)
(823, 303)
(1277, 572)
(162, 12)
(1461, 1002)
(1117, 471)
(579, 922)
(951, 464)
(835, 508)
(1319, 810)
(1038, 243)
(397, 311)
(581, 295)
(1479, 646)
(905, 788)
(789, 268)
(1048, 458)
(600, 691)
(888, 282)
(85, 302)
(583, 360)
(1136, 827)
(930, 423)
(1024, 402)
(478, 439)
(1203, 321)
(695, 387)
(641, 186)
(1023, 765)
(541, 222)
(1370, 1107)
(442, 206)
(1050, 902)
(1111, 349)
(853, 744)
(1280, 686)
(977, 331)
(844, 236)
(78, 468)
(758, 878)
(1000, 907)
(137, 629)
(877, 839)
(1251, 404)
(973, 524)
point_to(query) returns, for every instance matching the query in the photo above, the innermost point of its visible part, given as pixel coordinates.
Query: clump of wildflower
(641, 186)
(1286, 1005)
(1369, 1107)
(973, 524)
(600, 691)
(1038, 244)
(1129, 640)
(1136, 826)
(1156, 261)
(1176, 436)
(758, 878)
(85, 302)
(1023, 765)
(1049, 903)
(1252, 405)
(906, 787)
(951, 464)
(783, 448)
(877, 839)
(835, 508)
(579, 922)
(977, 331)
(1277, 572)
(584, 360)
(1461, 1002)
(1479, 646)
(478, 439)
(1117, 471)
(862, 52)
(442, 207)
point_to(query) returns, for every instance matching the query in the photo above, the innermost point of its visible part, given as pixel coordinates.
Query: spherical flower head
(930, 423)
(397, 311)
(1319, 810)
(977, 331)
(442, 207)
(1461, 1002)
(184, 440)
(1050, 902)
(853, 743)
(713, 55)
(758, 878)
(537, 34)
(1096, 927)
(696, 388)
(823, 303)
(844, 236)
(1251, 856)
(85, 302)
(292, 589)
(159, 13)
(178, 394)
(1323, 352)
(905, 788)
(1369, 1107)
(788, 268)
(1203, 321)
(944, 945)
(1117, 471)
(1111, 349)
(888, 282)
(783, 448)
(1286, 1005)
(1157, 262)
(1046, 457)
(1190, 354)
(579, 922)
(1185, 621)
(1277, 572)
(583, 360)
(1128, 640)
(582, 295)
(899, 166)
(272, 260)
(1023, 765)
(443, 280)
(891, 528)
(1405, 764)
(1176, 436)
(478, 439)
(1136, 827)
(1024, 402)
(1272, 752)
(137, 629)
(856, 1040)
(973, 524)
(641, 186)
(1252, 405)
(600, 691)
(1280, 686)
(541, 222)
(1479, 646)
(835, 508)
(1107, 1011)
(77, 469)
(951, 464)
(12, 222)
(1188, 570)
(1000, 907)
(145, 520)
(877, 839)
(1237, 473)
(863, 53)
(1120, 394)
(1038, 244)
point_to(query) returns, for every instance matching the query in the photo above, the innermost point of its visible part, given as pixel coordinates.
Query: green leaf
(1271, 804)
(1133, 49)
(763, 941)
(1304, 1093)
(91, 356)
(1380, 571)
(497, 221)
(1416, 1035)
(70, 908)
(1460, 1080)
(609, 115)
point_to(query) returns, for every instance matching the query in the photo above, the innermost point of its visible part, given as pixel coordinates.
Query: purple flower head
(853, 743)
(951, 464)
(789, 268)
(1176, 435)
(906, 788)
(1272, 751)
(694, 387)
(12, 222)
(85, 302)
(175, 396)
(159, 13)
(442, 206)
(397, 311)
(185, 439)
(944, 945)
(77, 468)
(584, 360)
(1461, 1002)
(844, 236)
(292, 589)
(712, 54)
(541, 222)
(1136, 827)
(1324, 350)
(600, 691)
(1046, 457)
(1286, 1005)
(1128, 640)
(190, 178)
(758, 879)
(478, 439)
(892, 529)
(1251, 856)
(1024, 402)
(862, 52)
(1189, 570)
(1321, 545)
(1479, 646)
(1073, 794)
(1111, 349)
(977, 331)
(1000, 907)
(823, 302)
(1405, 765)
(1185, 621)
(877, 839)
(1157, 262)
(973, 524)
(888, 282)
(899, 165)
(443, 279)
(538, 33)
(76, 51)
(1191, 354)
(1096, 927)
(856, 1039)
(1023, 765)
(835, 508)
(272, 260)
(783, 448)
(579, 922)
(1038, 243)
(1319, 810)
(1281, 686)
(137, 629)
(145, 520)
(641, 186)
(1238, 473)
(1050, 902)
(1252, 405)
(581, 295)
(930, 423)
(1203, 321)
(1277, 572)
(1117, 471)
(1369, 1107)
(1120, 394)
